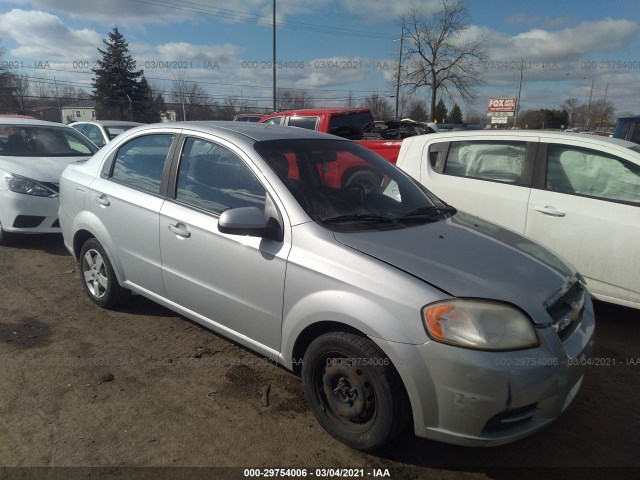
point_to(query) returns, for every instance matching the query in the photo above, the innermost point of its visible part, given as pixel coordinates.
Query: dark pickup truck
(628, 128)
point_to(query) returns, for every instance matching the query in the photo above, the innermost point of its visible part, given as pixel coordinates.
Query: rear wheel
(98, 277)
(353, 390)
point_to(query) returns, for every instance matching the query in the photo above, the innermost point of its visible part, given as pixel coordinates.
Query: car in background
(628, 128)
(33, 154)
(102, 132)
(248, 117)
(391, 305)
(578, 195)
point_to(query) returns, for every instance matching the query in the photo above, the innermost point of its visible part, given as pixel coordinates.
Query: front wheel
(98, 277)
(353, 390)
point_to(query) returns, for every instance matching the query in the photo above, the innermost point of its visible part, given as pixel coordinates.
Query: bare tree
(19, 100)
(571, 106)
(190, 99)
(440, 55)
(292, 99)
(379, 106)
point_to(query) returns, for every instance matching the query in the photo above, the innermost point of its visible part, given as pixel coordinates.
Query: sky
(333, 49)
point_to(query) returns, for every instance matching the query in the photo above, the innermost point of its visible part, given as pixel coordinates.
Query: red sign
(502, 105)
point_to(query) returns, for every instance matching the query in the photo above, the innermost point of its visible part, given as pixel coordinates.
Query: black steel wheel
(353, 390)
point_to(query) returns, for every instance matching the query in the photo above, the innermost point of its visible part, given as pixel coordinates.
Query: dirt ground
(143, 387)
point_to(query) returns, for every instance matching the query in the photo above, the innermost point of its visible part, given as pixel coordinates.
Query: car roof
(109, 123)
(29, 121)
(320, 111)
(243, 130)
(592, 139)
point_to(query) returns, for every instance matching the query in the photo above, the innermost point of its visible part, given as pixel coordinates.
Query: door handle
(551, 211)
(102, 200)
(180, 229)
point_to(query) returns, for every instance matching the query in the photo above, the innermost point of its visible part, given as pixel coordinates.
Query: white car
(33, 154)
(578, 195)
(102, 132)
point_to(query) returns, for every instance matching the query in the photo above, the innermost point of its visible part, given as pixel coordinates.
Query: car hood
(43, 169)
(465, 256)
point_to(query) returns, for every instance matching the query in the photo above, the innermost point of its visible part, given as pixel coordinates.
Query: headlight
(19, 184)
(478, 324)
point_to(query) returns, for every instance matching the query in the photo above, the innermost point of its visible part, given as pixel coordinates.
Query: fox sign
(502, 105)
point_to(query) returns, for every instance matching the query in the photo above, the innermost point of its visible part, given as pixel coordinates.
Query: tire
(354, 391)
(98, 277)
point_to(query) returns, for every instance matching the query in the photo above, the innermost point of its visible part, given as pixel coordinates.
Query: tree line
(437, 57)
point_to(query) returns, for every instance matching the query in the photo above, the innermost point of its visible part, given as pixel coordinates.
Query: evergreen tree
(455, 116)
(418, 112)
(440, 113)
(116, 80)
(148, 105)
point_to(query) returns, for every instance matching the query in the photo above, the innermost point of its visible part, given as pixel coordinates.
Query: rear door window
(499, 161)
(139, 163)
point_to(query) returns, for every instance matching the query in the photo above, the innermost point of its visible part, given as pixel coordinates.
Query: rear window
(303, 122)
(499, 161)
(349, 126)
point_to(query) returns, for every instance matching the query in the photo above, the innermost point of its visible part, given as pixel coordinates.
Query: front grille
(27, 221)
(566, 310)
(56, 224)
(509, 418)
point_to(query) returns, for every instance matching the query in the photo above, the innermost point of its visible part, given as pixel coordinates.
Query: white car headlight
(478, 324)
(28, 186)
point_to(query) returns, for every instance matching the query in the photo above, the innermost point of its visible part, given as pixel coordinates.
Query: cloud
(568, 44)
(146, 12)
(45, 37)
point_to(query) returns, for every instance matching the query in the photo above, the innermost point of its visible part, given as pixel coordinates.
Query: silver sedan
(393, 307)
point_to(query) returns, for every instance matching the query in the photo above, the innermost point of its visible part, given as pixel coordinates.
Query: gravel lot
(142, 387)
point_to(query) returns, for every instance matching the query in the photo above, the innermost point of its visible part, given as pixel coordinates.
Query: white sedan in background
(33, 154)
(578, 195)
(102, 132)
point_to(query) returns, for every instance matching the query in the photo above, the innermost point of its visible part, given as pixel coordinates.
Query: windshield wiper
(430, 211)
(357, 217)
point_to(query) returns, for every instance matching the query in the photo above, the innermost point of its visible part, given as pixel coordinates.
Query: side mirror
(249, 221)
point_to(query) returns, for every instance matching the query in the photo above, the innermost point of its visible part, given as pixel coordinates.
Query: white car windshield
(43, 141)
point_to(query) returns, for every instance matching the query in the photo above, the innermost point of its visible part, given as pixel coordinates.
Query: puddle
(26, 333)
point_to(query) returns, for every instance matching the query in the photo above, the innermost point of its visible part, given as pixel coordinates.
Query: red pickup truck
(348, 122)
(354, 124)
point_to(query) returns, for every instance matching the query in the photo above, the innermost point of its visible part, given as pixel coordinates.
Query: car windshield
(344, 186)
(43, 141)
